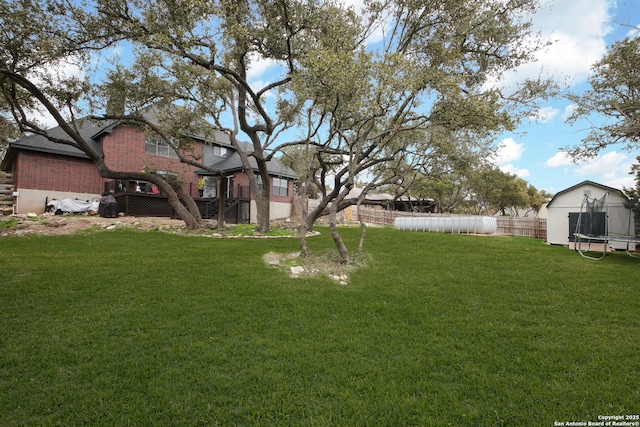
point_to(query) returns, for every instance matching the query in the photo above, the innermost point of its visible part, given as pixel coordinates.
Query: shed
(563, 211)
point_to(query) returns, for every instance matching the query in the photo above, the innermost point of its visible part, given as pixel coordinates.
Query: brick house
(43, 170)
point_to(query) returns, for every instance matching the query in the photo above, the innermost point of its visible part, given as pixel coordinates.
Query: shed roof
(582, 184)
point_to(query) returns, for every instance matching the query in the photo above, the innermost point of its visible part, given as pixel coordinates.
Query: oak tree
(371, 102)
(47, 49)
(208, 50)
(614, 95)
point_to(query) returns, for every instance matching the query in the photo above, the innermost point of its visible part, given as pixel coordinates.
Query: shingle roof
(583, 183)
(233, 163)
(92, 131)
(87, 128)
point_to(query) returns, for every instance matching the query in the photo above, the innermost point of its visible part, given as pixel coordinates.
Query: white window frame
(280, 187)
(158, 147)
(219, 151)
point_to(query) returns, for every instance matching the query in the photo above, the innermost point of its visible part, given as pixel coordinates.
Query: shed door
(593, 226)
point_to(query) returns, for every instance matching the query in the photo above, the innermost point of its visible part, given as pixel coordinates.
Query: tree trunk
(308, 220)
(222, 200)
(342, 249)
(262, 207)
(304, 247)
(261, 198)
(190, 204)
(181, 211)
(304, 226)
(363, 224)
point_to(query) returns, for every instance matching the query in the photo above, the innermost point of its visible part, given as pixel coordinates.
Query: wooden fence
(376, 216)
(523, 227)
(508, 226)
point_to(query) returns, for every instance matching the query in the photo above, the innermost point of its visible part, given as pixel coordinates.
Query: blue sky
(582, 30)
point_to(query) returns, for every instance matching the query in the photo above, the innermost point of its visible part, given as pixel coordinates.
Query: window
(259, 181)
(158, 147)
(210, 186)
(280, 187)
(219, 151)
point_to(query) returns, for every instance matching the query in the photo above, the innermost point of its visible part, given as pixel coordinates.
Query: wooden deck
(237, 210)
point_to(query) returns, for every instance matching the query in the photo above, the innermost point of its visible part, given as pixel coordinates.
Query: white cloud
(619, 182)
(576, 29)
(357, 4)
(559, 159)
(603, 164)
(42, 118)
(544, 115)
(508, 151)
(258, 67)
(510, 168)
(54, 72)
(610, 169)
(571, 57)
(568, 111)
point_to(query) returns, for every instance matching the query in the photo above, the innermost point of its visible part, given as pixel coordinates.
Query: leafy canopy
(615, 96)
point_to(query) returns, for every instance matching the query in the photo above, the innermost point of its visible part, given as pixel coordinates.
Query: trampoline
(605, 223)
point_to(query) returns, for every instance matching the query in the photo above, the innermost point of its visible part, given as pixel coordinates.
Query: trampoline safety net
(594, 225)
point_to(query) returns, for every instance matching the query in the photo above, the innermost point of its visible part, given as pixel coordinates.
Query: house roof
(233, 163)
(381, 197)
(582, 184)
(87, 128)
(93, 131)
(153, 115)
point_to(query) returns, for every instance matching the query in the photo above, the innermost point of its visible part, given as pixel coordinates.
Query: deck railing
(142, 203)
(6, 192)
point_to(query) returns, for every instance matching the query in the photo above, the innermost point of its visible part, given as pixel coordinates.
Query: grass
(243, 230)
(8, 223)
(250, 230)
(149, 328)
(13, 222)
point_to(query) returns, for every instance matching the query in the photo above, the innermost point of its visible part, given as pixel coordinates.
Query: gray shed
(563, 211)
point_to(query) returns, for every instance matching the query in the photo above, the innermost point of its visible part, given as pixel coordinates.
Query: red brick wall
(283, 199)
(124, 150)
(241, 178)
(41, 171)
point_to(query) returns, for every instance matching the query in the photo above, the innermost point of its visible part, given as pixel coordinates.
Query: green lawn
(146, 328)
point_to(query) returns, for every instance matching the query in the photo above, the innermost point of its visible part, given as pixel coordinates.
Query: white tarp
(73, 205)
